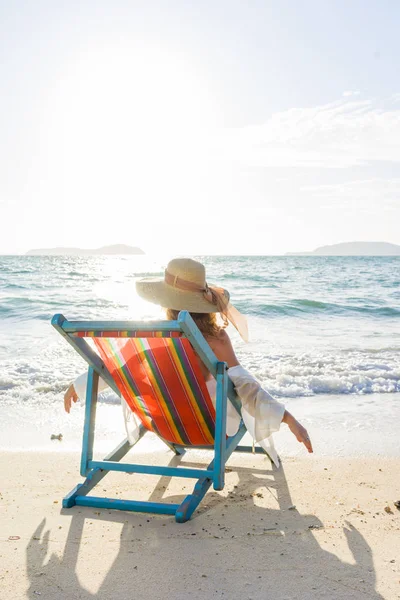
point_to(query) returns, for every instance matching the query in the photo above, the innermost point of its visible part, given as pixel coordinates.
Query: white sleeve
(261, 413)
(80, 385)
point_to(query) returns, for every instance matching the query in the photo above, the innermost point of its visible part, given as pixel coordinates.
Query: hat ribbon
(213, 295)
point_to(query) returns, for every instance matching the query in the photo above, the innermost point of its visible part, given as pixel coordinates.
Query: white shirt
(261, 413)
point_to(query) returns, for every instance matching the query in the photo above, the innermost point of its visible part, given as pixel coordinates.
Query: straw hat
(168, 292)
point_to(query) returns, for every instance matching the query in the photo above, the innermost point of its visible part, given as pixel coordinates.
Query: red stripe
(125, 390)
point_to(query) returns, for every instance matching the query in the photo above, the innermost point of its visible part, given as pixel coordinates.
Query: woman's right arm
(77, 390)
(69, 397)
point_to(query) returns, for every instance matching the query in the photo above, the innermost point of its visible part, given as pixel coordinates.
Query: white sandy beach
(247, 541)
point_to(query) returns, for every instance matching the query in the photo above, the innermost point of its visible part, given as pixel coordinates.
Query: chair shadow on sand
(230, 548)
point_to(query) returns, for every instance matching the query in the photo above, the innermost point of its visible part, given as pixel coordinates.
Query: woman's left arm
(222, 348)
(298, 430)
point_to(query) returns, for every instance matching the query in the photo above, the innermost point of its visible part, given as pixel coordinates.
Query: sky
(216, 127)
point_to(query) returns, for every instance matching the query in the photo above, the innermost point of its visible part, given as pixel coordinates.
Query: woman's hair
(206, 322)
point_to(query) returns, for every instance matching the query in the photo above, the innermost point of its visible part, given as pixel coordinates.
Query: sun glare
(128, 124)
(136, 96)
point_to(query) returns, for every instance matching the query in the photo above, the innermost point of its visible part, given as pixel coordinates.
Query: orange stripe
(110, 358)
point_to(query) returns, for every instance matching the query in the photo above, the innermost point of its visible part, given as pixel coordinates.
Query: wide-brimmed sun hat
(185, 287)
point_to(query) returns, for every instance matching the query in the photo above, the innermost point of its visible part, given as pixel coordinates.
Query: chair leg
(191, 502)
(177, 450)
(90, 420)
(96, 475)
(220, 456)
(84, 488)
(256, 450)
(251, 450)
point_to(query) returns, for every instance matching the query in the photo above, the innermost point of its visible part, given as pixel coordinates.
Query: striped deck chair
(155, 367)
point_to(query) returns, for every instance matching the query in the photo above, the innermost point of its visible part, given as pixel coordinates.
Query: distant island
(115, 249)
(353, 249)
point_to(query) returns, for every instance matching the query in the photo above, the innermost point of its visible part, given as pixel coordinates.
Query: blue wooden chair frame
(95, 470)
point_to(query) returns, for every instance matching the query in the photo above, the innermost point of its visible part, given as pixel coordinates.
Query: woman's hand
(69, 397)
(298, 430)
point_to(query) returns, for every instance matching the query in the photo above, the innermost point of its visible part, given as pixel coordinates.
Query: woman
(184, 287)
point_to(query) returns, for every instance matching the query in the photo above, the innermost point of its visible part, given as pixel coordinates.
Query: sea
(325, 341)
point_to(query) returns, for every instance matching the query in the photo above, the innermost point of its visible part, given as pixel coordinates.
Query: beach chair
(154, 367)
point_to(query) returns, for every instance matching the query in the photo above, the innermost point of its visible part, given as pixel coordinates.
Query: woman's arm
(69, 397)
(298, 430)
(223, 350)
(77, 390)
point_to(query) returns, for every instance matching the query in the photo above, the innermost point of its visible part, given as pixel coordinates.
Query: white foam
(334, 373)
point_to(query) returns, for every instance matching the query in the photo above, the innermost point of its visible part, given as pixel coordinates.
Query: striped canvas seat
(161, 380)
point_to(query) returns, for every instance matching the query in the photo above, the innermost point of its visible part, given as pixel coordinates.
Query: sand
(316, 528)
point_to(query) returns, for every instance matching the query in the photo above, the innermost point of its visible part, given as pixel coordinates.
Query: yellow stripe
(190, 394)
(141, 342)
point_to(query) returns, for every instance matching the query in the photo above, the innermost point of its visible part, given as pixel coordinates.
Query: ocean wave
(38, 308)
(284, 376)
(14, 286)
(298, 307)
(367, 350)
(307, 375)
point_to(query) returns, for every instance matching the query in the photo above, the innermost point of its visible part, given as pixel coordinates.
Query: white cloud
(340, 134)
(373, 195)
(351, 93)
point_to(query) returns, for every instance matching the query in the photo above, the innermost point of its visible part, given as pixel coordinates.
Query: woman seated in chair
(184, 287)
